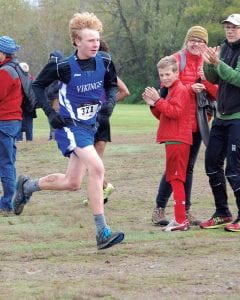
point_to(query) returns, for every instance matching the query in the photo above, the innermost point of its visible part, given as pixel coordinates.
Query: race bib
(87, 111)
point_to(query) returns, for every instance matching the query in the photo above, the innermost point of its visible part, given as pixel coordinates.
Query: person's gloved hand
(56, 121)
(102, 119)
(163, 92)
(106, 109)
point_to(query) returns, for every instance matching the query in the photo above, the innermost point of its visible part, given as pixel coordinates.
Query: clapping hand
(150, 95)
(211, 55)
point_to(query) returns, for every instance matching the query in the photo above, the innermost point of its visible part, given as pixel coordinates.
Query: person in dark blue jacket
(53, 89)
(27, 122)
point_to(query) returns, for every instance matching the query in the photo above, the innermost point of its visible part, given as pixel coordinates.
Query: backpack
(29, 101)
(211, 103)
(182, 60)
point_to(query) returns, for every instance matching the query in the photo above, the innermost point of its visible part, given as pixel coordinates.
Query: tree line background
(139, 32)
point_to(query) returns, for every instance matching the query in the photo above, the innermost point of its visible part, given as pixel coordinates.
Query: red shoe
(174, 226)
(216, 222)
(234, 226)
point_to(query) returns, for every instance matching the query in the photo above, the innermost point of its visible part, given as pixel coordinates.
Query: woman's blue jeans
(8, 134)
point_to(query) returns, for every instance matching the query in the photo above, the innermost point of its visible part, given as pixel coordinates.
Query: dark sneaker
(106, 238)
(174, 226)
(19, 198)
(158, 217)
(193, 221)
(215, 222)
(234, 226)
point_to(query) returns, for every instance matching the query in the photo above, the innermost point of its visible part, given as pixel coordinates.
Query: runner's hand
(107, 109)
(56, 121)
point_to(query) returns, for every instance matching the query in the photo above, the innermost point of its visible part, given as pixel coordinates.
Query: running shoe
(174, 226)
(234, 226)
(106, 238)
(215, 222)
(20, 198)
(107, 191)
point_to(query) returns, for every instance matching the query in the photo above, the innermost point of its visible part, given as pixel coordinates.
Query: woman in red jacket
(175, 131)
(190, 65)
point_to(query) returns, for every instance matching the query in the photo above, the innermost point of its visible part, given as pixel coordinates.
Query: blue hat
(8, 45)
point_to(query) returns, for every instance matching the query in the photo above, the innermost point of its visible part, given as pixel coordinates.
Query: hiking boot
(107, 191)
(193, 221)
(20, 198)
(234, 226)
(215, 222)
(158, 217)
(106, 238)
(174, 226)
(5, 208)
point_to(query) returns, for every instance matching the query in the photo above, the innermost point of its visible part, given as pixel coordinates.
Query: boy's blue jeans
(8, 133)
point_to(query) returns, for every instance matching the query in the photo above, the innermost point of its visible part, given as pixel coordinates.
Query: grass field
(49, 252)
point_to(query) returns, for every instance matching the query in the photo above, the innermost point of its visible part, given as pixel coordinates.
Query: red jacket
(174, 115)
(189, 76)
(10, 94)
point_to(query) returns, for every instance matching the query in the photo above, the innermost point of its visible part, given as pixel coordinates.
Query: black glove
(103, 120)
(163, 92)
(106, 109)
(56, 121)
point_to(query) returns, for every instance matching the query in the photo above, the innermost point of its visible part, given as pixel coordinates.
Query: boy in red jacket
(175, 131)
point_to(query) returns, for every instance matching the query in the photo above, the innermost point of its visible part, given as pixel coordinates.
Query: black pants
(165, 190)
(224, 143)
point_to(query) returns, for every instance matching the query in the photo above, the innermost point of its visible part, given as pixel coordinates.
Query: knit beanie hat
(197, 32)
(8, 45)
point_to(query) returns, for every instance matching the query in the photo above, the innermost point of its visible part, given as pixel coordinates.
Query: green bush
(136, 89)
